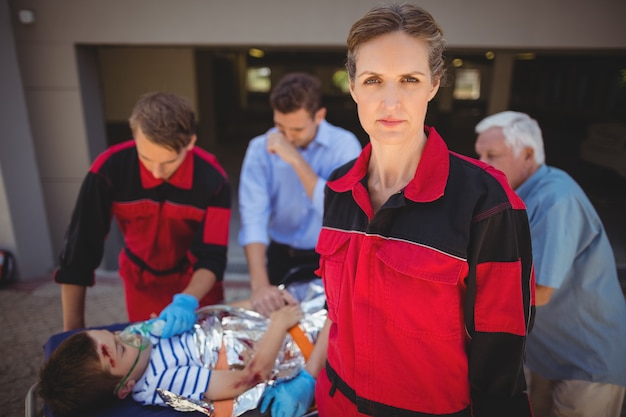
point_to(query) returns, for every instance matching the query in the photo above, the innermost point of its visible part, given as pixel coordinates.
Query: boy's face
(118, 357)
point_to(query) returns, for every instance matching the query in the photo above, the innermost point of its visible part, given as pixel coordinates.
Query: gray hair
(519, 130)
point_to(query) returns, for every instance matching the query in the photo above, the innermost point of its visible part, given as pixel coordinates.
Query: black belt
(374, 408)
(293, 252)
(179, 267)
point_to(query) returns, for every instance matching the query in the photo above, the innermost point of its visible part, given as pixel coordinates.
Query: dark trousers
(286, 264)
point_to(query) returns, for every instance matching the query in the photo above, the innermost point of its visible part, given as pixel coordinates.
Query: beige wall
(47, 56)
(467, 23)
(23, 223)
(6, 227)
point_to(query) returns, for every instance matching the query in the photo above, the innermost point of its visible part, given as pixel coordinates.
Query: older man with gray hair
(575, 351)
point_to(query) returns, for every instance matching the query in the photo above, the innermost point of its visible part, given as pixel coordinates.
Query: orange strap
(303, 342)
(223, 408)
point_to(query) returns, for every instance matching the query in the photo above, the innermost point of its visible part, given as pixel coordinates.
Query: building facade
(71, 70)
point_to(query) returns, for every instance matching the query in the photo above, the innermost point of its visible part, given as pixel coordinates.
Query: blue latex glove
(179, 316)
(290, 398)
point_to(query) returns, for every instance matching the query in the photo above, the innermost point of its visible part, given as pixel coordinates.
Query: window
(259, 80)
(467, 84)
(341, 81)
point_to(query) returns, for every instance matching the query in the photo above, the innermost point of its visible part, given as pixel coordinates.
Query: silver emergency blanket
(239, 331)
(180, 403)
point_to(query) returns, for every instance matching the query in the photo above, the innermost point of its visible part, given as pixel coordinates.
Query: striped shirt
(175, 366)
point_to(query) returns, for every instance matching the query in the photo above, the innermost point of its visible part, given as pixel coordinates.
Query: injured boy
(229, 353)
(90, 367)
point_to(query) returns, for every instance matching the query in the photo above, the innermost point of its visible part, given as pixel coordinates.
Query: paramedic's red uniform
(170, 228)
(429, 298)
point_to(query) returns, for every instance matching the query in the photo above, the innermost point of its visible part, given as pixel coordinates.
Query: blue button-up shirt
(273, 203)
(581, 332)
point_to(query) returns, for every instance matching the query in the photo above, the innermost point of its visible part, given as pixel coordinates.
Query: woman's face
(392, 87)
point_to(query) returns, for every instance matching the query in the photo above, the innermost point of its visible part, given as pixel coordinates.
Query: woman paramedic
(425, 254)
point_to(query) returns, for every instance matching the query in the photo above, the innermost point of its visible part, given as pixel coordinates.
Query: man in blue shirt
(282, 182)
(575, 351)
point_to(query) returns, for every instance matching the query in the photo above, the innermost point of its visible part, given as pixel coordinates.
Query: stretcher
(130, 408)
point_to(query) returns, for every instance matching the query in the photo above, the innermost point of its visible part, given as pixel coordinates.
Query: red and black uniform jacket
(430, 298)
(170, 228)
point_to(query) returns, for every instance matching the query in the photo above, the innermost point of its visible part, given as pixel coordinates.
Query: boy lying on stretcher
(90, 367)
